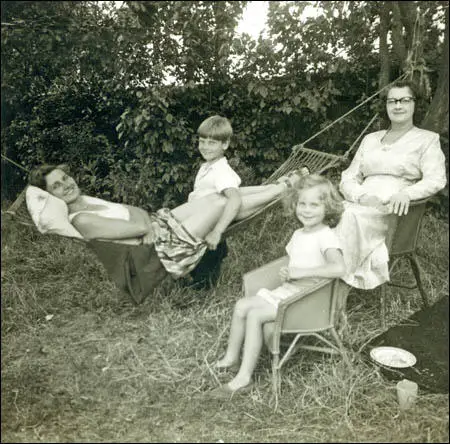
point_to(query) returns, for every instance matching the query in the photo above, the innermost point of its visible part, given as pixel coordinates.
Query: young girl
(314, 252)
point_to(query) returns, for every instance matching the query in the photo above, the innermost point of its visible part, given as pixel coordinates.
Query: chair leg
(275, 377)
(383, 305)
(341, 307)
(340, 345)
(416, 270)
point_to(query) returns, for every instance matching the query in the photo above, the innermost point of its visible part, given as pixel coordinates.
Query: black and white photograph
(224, 221)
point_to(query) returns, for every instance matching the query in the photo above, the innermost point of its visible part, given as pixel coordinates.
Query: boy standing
(215, 174)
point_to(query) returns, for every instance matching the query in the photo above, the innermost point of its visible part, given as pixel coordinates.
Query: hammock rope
(415, 62)
(319, 161)
(15, 164)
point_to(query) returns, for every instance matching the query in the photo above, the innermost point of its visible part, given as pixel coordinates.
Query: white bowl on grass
(393, 357)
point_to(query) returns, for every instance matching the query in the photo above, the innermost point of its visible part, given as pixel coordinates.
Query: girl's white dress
(414, 164)
(305, 250)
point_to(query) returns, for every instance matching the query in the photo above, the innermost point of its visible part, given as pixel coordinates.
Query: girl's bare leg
(256, 189)
(253, 344)
(237, 330)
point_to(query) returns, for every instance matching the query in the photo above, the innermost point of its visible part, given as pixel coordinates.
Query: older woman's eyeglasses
(403, 101)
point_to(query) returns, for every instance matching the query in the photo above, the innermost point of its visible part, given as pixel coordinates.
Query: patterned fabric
(414, 164)
(178, 250)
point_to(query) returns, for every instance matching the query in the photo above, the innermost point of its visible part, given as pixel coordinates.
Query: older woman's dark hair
(38, 174)
(406, 84)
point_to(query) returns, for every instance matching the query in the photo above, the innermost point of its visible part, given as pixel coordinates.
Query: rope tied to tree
(415, 62)
(319, 161)
(15, 163)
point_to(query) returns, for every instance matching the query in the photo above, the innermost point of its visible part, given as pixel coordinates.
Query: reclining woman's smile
(61, 185)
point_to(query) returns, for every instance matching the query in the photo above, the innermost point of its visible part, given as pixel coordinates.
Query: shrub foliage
(119, 93)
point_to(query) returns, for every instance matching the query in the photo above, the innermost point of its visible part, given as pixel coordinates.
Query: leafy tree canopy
(119, 92)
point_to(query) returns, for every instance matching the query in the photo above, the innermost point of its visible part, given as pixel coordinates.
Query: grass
(81, 363)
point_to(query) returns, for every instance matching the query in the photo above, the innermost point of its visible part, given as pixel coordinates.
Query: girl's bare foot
(238, 384)
(225, 363)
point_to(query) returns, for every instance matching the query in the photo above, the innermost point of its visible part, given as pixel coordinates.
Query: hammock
(136, 269)
(316, 161)
(301, 156)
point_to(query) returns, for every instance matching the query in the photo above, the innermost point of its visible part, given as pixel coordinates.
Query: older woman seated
(390, 169)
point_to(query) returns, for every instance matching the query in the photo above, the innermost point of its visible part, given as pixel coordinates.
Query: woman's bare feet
(293, 178)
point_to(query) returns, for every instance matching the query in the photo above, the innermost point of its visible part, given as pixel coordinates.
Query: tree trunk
(398, 42)
(385, 62)
(437, 116)
(409, 17)
(413, 39)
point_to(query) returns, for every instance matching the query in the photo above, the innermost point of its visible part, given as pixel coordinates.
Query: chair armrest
(302, 292)
(266, 276)
(414, 203)
(403, 231)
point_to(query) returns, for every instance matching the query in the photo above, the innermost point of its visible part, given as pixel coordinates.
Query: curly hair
(329, 195)
(38, 174)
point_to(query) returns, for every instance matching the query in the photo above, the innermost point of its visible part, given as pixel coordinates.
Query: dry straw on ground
(80, 362)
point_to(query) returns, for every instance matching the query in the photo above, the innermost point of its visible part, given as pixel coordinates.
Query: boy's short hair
(217, 128)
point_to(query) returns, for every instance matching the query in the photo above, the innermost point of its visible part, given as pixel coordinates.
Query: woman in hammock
(178, 234)
(390, 168)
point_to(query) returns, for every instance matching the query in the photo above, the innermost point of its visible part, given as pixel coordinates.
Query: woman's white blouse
(414, 164)
(109, 209)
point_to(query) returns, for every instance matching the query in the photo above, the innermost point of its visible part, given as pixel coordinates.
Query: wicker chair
(314, 311)
(402, 244)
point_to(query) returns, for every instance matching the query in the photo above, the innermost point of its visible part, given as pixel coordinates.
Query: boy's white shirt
(214, 178)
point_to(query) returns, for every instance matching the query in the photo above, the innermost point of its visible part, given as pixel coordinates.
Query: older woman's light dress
(415, 165)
